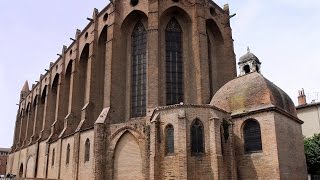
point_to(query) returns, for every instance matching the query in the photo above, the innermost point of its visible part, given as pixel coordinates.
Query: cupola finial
(249, 63)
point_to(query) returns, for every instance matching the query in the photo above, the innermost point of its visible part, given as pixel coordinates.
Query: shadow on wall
(245, 167)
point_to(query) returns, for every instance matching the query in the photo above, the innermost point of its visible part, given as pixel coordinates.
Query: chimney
(302, 100)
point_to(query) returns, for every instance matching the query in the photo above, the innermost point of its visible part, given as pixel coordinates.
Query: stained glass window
(138, 78)
(174, 63)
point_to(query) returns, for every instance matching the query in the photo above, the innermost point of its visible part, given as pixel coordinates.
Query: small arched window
(169, 139)
(174, 63)
(252, 136)
(197, 137)
(87, 151)
(246, 69)
(53, 154)
(68, 154)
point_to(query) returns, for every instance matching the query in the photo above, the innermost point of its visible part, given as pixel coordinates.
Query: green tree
(312, 152)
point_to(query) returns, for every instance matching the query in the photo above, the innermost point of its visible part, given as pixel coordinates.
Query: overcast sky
(283, 34)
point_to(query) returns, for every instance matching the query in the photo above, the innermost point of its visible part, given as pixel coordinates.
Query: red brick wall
(3, 164)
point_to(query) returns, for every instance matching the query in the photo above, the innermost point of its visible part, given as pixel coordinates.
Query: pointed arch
(100, 67)
(174, 63)
(40, 112)
(67, 87)
(127, 146)
(215, 46)
(197, 137)
(169, 139)
(30, 126)
(43, 95)
(87, 151)
(55, 84)
(83, 68)
(30, 167)
(138, 70)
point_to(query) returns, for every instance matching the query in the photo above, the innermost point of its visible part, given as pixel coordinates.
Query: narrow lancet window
(52, 160)
(68, 154)
(174, 63)
(87, 151)
(138, 70)
(197, 137)
(169, 139)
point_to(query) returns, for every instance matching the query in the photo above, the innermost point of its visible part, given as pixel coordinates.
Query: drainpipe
(318, 110)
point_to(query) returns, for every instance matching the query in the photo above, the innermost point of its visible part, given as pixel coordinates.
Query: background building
(3, 160)
(309, 113)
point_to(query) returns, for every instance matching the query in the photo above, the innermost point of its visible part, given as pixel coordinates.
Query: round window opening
(212, 11)
(134, 2)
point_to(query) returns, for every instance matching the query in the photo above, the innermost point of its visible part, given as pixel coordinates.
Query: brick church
(149, 90)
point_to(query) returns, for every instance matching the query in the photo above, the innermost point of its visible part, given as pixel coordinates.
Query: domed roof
(252, 92)
(249, 57)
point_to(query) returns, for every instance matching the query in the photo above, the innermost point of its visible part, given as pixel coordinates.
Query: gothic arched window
(68, 154)
(138, 70)
(169, 139)
(252, 136)
(197, 137)
(87, 151)
(174, 63)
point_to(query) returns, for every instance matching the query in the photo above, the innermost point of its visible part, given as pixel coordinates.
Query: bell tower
(249, 63)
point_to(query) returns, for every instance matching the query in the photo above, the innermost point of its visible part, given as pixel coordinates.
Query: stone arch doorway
(127, 159)
(30, 168)
(21, 170)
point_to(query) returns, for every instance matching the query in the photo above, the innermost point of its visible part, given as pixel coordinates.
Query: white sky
(283, 34)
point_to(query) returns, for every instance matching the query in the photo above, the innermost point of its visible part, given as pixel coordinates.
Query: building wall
(86, 167)
(310, 115)
(182, 164)
(9, 163)
(42, 160)
(292, 160)
(67, 170)
(260, 164)
(3, 162)
(54, 160)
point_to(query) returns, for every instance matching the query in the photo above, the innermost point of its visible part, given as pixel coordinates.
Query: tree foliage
(312, 152)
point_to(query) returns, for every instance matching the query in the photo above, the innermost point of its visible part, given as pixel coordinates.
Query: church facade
(148, 90)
